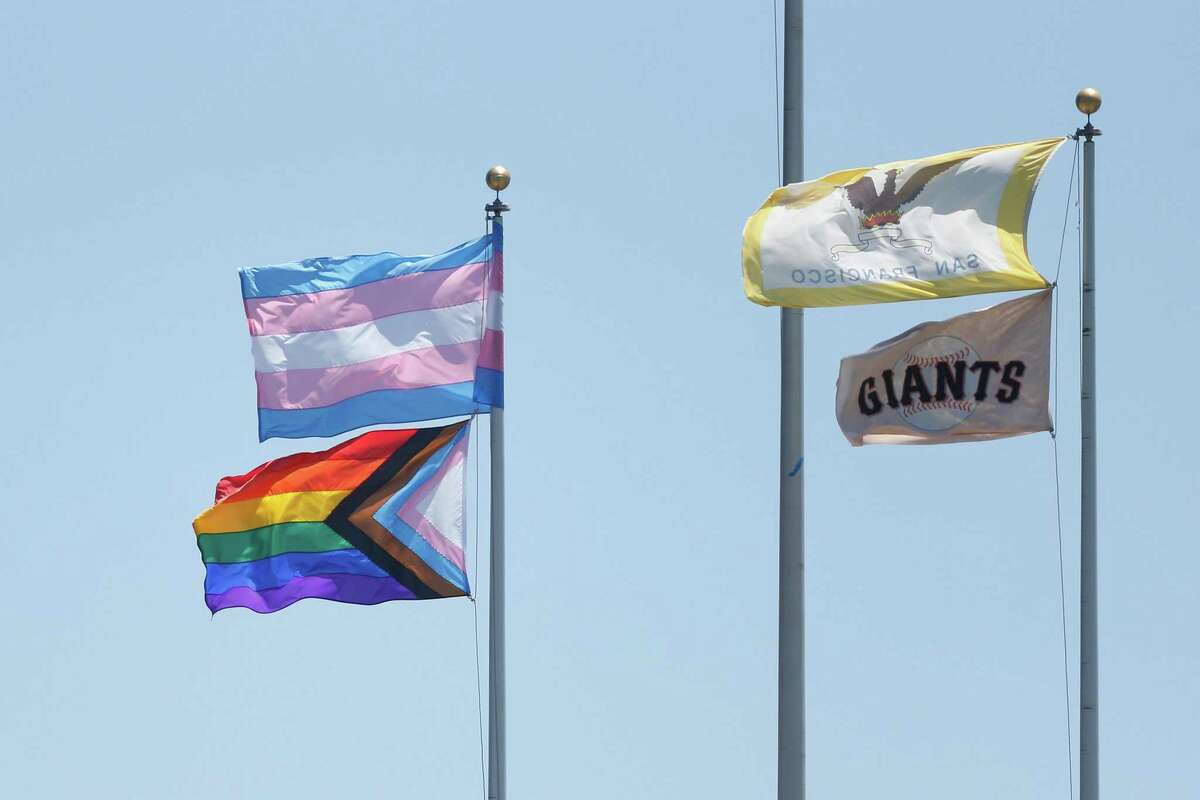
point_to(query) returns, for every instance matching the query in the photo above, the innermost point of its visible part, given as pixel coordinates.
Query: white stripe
(495, 311)
(442, 507)
(413, 330)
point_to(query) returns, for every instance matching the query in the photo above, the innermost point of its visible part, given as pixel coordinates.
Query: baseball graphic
(938, 415)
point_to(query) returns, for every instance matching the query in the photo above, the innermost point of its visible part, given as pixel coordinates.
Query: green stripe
(269, 540)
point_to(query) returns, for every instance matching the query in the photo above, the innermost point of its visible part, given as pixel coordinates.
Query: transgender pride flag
(340, 343)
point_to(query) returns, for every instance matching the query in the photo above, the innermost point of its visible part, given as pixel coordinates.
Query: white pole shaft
(791, 446)
(497, 789)
(1089, 728)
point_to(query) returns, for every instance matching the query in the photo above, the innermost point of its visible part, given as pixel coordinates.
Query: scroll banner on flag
(342, 343)
(376, 518)
(982, 375)
(943, 226)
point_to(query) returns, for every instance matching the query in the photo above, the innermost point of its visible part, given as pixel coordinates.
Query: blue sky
(151, 149)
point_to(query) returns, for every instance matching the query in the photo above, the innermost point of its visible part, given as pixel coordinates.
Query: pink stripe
(496, 283)
(409, 514)
(491, 355)
(447, 548)
(337, 308)
(314, 388)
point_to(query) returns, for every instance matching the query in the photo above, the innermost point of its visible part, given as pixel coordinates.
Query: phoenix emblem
(879, 212)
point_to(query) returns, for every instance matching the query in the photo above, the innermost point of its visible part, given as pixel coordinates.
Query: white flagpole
(791, 446)
(1088, 102)
(497, 180)
(496, 765)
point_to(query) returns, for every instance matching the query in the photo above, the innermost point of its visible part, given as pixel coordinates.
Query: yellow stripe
(270, 510)
(1012, 216)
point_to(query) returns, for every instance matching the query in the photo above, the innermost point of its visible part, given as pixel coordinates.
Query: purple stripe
(359, 589)
(337, 308)
(415, 369)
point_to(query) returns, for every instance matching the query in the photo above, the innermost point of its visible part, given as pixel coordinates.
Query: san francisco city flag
(376, 518)
(982, 375)
(942, 226)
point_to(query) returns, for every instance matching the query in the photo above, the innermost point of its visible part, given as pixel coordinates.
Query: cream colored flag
(942, 226)
(982, 375)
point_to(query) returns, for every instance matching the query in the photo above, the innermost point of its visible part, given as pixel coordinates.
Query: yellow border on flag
(1013, 214)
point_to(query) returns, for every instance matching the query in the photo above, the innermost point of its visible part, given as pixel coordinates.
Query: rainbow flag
(341, 343)
(376, 518)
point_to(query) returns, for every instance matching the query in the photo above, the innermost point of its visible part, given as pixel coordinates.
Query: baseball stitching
(938, 405)
(929, 361)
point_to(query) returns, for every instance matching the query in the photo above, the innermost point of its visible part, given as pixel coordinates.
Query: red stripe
(341, 467)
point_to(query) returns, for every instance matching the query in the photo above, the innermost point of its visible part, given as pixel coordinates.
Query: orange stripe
(324, 476)
(340, 467)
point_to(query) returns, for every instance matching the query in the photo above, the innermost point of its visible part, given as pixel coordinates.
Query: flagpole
(790, 767)
(1088, 102)
(497, 180)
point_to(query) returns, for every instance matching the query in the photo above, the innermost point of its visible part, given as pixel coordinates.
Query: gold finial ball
(1088, 101)
(498, 178)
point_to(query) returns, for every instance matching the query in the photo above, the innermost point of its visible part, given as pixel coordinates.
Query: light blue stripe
(419, 478)
(489, 387)
(424, 550)
(268, 573)
(388, 517)
(323, 274)
(387, 406)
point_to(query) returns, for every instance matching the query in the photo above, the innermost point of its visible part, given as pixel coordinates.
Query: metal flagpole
(791, 446)
(497, 179)
(1088, 102)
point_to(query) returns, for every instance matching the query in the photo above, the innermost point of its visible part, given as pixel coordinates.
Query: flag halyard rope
(778, 117)
(475, 614)
(1072, 188)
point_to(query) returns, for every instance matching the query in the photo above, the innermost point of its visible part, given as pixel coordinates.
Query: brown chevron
(353, 518)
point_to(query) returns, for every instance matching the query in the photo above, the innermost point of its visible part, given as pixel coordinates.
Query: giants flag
(982, 375)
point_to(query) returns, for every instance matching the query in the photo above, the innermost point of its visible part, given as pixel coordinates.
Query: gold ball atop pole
(498, 178)
(1087, 101)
